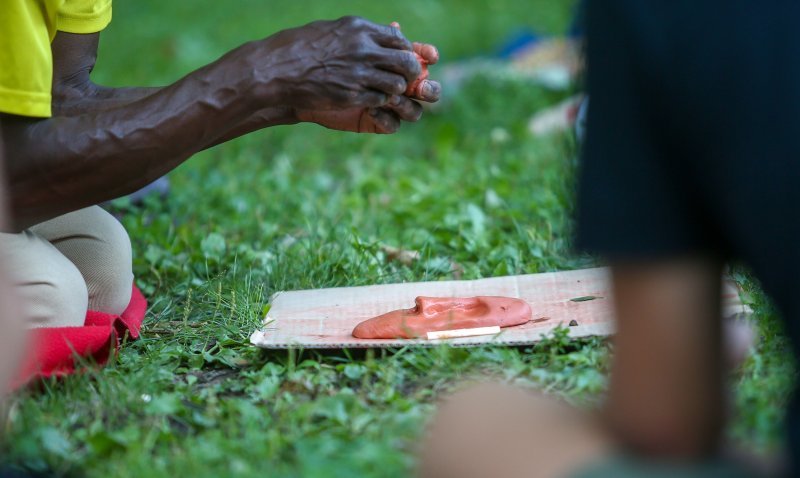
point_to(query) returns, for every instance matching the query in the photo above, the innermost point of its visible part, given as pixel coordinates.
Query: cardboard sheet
(325, 318)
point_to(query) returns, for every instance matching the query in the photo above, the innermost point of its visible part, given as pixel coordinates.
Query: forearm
(94, 98)
(75, 94)
(263, 118)
(101, 98)
(66, 163)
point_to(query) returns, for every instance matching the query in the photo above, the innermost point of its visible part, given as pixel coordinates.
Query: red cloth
(57, 351)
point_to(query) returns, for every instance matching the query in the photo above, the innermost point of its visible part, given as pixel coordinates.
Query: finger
(389, 83)
(405, 108)
(401, 62)
(384, 121)
(429, 52)
(390, 37)
(428, 91)
(369, 99)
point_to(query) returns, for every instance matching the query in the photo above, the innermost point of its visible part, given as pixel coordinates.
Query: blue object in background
(516, 42)
(523, 39)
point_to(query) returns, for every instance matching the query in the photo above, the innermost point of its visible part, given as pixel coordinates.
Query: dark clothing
(693, 139)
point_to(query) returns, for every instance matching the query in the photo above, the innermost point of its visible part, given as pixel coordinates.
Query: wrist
(304, 116)
(261, 82)
(293, 116)
(279, 115)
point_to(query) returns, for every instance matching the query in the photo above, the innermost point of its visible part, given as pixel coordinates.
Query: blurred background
(153, 42)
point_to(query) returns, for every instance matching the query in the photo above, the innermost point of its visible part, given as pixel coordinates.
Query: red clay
(445, 313)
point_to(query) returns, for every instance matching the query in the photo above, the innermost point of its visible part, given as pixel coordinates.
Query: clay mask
(445, 313)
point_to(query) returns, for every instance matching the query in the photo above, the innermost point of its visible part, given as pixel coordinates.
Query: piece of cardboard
(325, 318)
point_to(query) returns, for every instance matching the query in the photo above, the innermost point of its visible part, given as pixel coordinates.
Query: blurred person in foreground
(692, 159)
(72, 144)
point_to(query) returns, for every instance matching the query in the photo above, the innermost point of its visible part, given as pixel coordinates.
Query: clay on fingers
(426, 55)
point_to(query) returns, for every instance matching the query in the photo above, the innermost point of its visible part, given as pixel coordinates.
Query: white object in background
(557, 118)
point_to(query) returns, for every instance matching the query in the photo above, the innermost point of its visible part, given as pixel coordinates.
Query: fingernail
(432, 90)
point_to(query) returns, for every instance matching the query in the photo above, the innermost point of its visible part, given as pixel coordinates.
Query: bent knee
(60, 301)
(110, 276)
(101, 249)
(112, 297)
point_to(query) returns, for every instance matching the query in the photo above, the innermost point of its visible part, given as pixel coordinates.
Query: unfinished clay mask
(433, 314)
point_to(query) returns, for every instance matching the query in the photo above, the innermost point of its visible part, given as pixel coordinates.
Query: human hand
(384, 120)
(333, 65)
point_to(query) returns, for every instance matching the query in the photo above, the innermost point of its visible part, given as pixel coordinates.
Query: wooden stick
(452, 334)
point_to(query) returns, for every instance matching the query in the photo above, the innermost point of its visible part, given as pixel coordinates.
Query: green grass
(302, 207)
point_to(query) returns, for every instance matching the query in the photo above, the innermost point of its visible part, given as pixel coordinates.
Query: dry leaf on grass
(457, 270)
(403, 256)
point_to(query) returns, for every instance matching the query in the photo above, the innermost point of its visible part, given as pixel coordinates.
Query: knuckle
(416, 113)
(378, 100)
(399, 86)
(398, 36)
(363, 41)
(352, 21)
(391, 126)
(358, 71)
(360, 51)
(411, 65)
(383, 121)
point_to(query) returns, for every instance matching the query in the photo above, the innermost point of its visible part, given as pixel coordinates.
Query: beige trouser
(64, 266)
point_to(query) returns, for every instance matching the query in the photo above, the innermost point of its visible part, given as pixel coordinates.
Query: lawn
(303, 207)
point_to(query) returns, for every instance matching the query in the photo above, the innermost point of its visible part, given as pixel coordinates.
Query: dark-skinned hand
(334, 65)
(388, 118)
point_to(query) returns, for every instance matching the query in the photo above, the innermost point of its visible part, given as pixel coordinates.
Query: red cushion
(57, 351)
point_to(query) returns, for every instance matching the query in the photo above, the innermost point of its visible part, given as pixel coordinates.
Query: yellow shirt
(26, 64)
